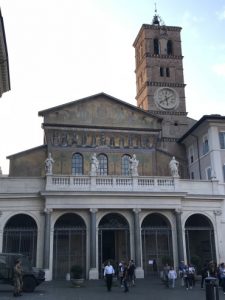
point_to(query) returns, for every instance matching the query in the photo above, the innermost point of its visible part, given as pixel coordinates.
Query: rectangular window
(192, 175)
(161, 72)
(191, 154)
(205, 145)
(167, 72)
(224, 173)
(222, 140)
(208, 173)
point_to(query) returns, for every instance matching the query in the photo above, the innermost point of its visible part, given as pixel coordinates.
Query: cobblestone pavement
(96, 290)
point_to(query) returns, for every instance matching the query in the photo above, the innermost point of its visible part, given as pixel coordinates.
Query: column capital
(178, 211)
(93, 210)
(48, 211)
(136, 210)
(217, 212)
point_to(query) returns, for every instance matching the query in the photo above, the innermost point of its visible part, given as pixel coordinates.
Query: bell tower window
(167, 72)
(169, 47)
(156, 46)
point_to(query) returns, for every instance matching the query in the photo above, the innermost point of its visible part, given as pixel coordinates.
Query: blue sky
(60, 51)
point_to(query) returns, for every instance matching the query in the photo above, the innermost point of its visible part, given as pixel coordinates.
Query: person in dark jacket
(17, 279)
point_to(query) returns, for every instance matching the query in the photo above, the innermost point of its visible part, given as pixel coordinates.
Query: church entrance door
(114, 240)
(156, 243)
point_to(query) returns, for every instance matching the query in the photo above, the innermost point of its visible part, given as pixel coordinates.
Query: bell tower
(159, 75)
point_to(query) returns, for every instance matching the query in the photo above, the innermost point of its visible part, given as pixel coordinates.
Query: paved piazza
(95, 290)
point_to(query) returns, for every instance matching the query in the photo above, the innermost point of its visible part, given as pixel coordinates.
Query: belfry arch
(156, 243)
(200, 241)
(69, 244)
(20, 236)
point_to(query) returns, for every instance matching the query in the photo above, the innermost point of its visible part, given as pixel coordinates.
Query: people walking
(165, 274)
(222, 276)
(120, 273)
(131, 272)
(17, 279)
(172, 276)
(204, 274)
(189, 276)
(108, 274)
(125, 278)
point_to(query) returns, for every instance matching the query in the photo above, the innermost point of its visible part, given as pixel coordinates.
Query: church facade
(117, 181)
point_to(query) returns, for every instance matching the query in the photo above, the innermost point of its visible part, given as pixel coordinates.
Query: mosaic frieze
(60, 138)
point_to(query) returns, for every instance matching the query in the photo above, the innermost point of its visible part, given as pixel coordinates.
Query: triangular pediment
(100, 110)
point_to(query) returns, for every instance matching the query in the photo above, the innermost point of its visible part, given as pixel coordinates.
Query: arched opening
(156, 243)
(200, 242)
(125, 165)
(77, 164)
(69, 245)
(114, 240)
(20, 236)
(103, 164)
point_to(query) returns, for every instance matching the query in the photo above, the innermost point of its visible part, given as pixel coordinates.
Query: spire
(157, 21)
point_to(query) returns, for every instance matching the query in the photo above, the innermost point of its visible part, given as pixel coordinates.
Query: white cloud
(221, 14)
(219, 69)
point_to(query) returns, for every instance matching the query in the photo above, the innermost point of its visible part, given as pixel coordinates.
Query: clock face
(166, 98)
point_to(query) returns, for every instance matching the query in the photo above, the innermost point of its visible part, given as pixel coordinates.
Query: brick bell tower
(159, 76)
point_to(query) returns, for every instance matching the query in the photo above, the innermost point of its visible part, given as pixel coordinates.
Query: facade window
(222, 140)
(169, 47)
(77, 164)
(192, 175)
(103, 164)
(191, 154)
(156, 46)
(209, 173)
(205, 145)
(167, 72)
(224, 173)
(161, 71)
(125, 166)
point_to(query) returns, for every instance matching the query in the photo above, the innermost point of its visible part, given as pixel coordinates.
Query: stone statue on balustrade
(174, 165)
(94, 165)
(134, 166)
(49, 164)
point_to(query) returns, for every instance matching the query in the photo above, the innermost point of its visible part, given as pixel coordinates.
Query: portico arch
(156, 242)
(114, 239)
(20, 236)
(69, 244)
(200, 241)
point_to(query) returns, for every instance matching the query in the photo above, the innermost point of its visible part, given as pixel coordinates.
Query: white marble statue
(49, 164)
(174, 164)
(94, 165)
(134, 165)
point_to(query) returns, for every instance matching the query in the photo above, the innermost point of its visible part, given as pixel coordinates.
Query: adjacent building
(117, 181)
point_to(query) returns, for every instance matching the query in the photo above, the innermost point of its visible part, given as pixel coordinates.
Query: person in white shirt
(172, 276)
(108, 274)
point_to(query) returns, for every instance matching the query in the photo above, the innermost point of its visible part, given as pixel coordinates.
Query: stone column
(93, 273)
(1, 236)
(180, 244)
(47, 229)
(220, 256)
(137, 244)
